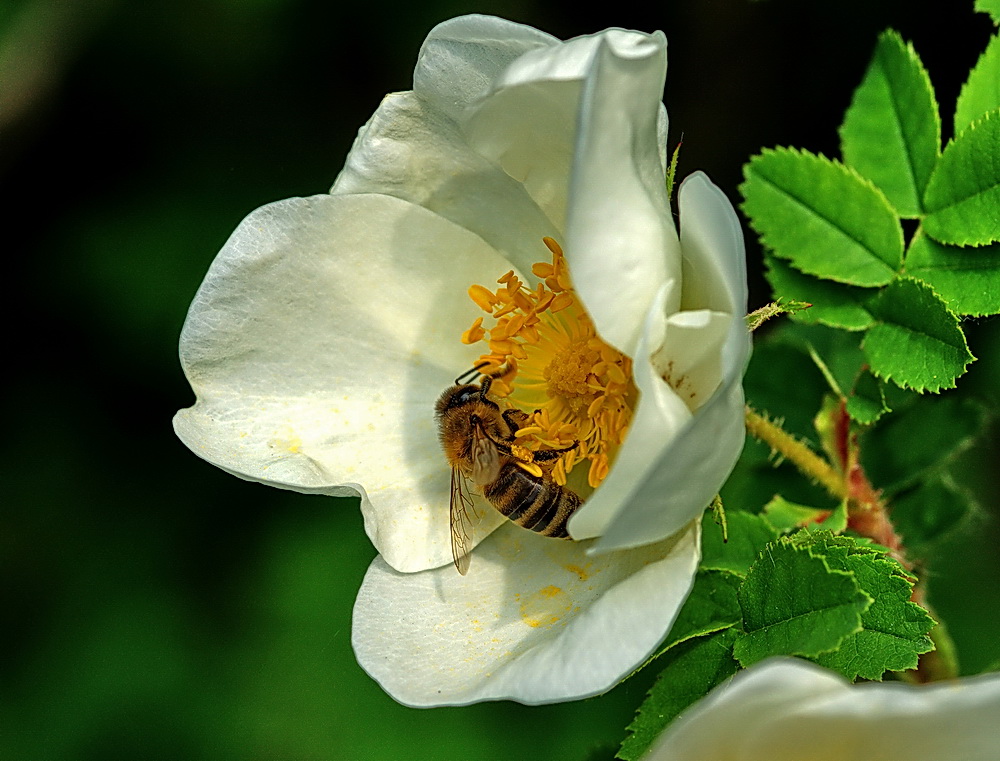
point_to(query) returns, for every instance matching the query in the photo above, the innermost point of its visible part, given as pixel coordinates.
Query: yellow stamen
(573, 387)
(475, 333)
(483, 297)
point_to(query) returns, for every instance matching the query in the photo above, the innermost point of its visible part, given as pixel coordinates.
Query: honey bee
(478, 440)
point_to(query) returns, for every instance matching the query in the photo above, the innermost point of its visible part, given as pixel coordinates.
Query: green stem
(796, 452)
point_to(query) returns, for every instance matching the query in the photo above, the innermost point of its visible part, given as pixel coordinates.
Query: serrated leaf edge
(994, 41)
(977, 124)
(845, 169)
(788, 541)
(965, 344)
(911, 53)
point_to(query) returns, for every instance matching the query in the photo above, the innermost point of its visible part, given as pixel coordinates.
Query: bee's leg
(552, 454)
(515, 420)
(484, 386)
(502, 445)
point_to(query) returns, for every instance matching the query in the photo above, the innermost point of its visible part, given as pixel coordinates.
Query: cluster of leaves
(838, 601)
(892, 246)
(910, 455)
(836, 234)
(885, 308)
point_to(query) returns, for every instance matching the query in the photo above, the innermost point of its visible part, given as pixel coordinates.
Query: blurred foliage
(155, 607)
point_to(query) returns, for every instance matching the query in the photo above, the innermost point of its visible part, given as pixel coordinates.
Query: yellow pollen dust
(555, 368)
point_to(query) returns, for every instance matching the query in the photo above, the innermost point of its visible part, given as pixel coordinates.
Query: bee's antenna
(469, 373)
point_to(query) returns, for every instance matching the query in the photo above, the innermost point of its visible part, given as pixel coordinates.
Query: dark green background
(154, 607)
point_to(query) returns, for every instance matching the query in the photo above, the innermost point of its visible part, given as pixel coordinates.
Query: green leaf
(748, 535)
(692, 670)
(991, 7)
(981, 91)
(793, 603)
(963, 195)
(968, 279)
(917, 343)
(823, 217)
(894, 629)
(833, 304)
(786, 516)
(911, 444)
(711, 606)
(930, 511)
(891, 132)
(866, 404)
(837, 522)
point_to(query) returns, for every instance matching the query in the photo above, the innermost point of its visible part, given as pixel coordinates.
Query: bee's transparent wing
(461, 512)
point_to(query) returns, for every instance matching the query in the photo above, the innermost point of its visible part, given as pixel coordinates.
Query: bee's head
(460, 396)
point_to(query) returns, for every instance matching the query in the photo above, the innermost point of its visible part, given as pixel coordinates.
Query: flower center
(548, 361)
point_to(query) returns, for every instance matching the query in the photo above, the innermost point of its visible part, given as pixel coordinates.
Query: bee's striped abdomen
(532, 502)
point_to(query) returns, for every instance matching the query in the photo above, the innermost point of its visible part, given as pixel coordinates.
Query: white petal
(688, 466)
(534, 122)
(686, 475)
(535, 620)
(777, 709)
(621, 242)
(690, 359)
(715, 263)
(462, 57)
(317, 346)
(412, 151)
(657, 419)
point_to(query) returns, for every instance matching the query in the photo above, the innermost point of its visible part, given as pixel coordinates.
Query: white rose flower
(788, 710)
(328, 326)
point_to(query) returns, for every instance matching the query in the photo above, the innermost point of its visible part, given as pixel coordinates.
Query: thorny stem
(867, 511)
(796, 452)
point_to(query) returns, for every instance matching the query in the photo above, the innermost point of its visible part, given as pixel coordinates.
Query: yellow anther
(544, 301)
(542, 270)
(522, 301)
(598, 470)
(502, 347)
(515, 324)
(501, 388)
(499, 331)
(559, 473)
(475, 333)
(513, 287)
(616, 374)
(530, 430)
(506, 309)
(560, 302)
(483, 297)
(530, 467)
(507, 277)
(552, 246)
(595, 406)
